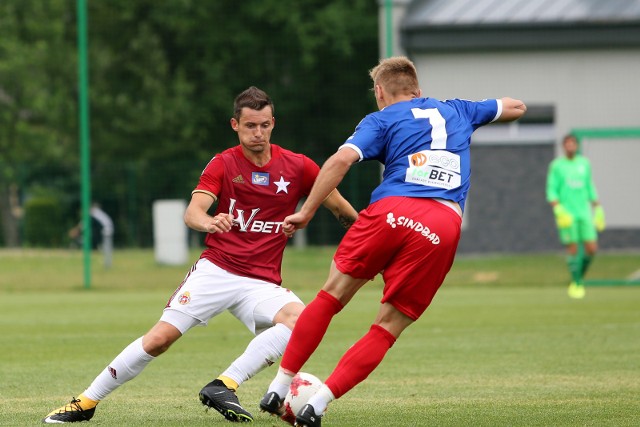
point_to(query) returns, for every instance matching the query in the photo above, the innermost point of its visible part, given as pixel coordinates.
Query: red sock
(360, 360)
(309, 330)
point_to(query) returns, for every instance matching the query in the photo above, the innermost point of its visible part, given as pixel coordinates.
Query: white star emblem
(282, 185)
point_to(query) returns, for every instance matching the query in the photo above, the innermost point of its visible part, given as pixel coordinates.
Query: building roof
(446, 25)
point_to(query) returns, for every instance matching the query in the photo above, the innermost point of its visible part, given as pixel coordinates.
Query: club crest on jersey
(417, 226)
(185, 298)
(260, 178)
(282, 185)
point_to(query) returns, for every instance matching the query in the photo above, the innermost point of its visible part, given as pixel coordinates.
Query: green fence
(46, 202)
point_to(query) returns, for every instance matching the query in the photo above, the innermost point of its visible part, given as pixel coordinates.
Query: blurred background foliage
(163, 76)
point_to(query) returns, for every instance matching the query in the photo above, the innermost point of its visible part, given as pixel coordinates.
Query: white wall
(589, 89)
(617, 178)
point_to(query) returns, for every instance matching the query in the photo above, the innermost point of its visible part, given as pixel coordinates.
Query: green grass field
(501, 345)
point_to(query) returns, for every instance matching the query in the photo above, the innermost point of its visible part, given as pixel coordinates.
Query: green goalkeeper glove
(563, 218)
(598, 218)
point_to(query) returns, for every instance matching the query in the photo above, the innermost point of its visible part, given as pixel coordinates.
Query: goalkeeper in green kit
(578, 214)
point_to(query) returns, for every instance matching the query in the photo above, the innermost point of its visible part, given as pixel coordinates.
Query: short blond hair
(397, 75)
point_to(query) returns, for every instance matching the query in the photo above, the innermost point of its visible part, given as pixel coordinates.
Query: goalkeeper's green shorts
(582, 230)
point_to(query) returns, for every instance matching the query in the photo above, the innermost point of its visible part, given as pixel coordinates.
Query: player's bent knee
(159, 339)
(155, 345)
(288, 315)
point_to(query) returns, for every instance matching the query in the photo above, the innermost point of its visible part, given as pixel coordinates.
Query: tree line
(163, 76)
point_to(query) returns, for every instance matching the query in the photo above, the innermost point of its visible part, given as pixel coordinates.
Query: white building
(576, 63)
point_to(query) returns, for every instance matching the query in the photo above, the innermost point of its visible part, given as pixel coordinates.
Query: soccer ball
(302, 387)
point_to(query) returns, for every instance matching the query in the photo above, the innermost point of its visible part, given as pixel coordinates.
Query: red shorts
(412, 241)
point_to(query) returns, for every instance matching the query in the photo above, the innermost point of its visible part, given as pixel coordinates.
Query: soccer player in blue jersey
(409, 232)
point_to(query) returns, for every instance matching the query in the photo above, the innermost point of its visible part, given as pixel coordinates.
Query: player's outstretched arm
(512, 109)
(294, 222)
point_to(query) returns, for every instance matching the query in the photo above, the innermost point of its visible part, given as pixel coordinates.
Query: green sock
(574, 262)
(586, 261)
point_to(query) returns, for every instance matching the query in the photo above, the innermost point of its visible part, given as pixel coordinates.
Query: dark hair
(568, 137)
(252, 98)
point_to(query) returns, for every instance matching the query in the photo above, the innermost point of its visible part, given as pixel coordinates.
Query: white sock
(321, 399)
(264, 350)
(281, 383)
(127, 365)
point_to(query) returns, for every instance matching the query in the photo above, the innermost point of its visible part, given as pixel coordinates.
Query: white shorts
(208, 290)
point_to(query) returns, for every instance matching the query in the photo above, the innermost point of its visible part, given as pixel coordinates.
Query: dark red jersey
(259, 198)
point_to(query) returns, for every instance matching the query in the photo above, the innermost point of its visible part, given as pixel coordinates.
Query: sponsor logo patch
(113, 372)
(435, 168)
(417, 226)
(248, 223)
(260, 178)
(418, 159)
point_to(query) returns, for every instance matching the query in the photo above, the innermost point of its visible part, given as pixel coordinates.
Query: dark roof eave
(447, 38)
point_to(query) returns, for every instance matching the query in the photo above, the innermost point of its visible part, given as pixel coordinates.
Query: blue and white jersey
(424, 145)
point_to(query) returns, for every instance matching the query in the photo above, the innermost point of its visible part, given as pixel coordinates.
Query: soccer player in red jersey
(256, 185)
(409, 232)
